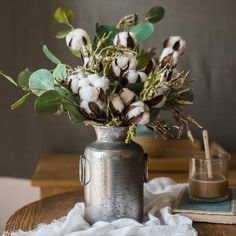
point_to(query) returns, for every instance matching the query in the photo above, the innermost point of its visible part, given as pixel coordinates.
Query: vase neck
(111, 134)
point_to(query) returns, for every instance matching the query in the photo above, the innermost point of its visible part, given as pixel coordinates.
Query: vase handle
(82, 170)
(145, 174)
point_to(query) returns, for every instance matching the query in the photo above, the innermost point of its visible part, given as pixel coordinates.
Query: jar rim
(215, 156)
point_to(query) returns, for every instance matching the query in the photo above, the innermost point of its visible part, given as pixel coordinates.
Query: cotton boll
(138, 113)
(160, 99)
(126, 39)
(98, 82)
(76, 39)
(116, 104)
(131, 76)
(87, 62)
(88, 93)
(127, 96)
(142, 77)
(169, 56)
(116, 71)
(177, 43)
(92, 109)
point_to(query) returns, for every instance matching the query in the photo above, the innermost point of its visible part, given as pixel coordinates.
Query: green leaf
(23, 78)
(41, 81)
(62, 91)
(101, 30)
(63, 15)
(62, 34)
(136, 87)
(60, 72)
(50, 56)
(48, 103)
(154, 113)
(143, 59)
(75, 52)
(143, 31)
(73, 110)
(8, 78)
(155, 14)
(20, 101)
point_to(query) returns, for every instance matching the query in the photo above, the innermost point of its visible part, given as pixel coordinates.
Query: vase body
(112, 173)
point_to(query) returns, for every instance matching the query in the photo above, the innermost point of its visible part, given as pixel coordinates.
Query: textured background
(25, 25)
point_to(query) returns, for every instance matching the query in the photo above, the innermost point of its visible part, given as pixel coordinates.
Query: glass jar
(208, 179)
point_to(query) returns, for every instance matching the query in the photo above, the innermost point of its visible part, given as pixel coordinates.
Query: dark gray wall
(25, 25)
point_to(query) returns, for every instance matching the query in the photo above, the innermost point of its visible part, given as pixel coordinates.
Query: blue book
(221, 212)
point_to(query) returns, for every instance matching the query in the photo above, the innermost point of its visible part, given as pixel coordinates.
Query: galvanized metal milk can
(113, 173)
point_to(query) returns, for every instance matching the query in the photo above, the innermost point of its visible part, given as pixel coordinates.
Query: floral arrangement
(116, 84)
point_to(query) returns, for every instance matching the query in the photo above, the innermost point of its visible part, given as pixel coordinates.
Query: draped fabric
(208, 27)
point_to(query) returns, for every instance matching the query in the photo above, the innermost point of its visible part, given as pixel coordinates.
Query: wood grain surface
(54, 207)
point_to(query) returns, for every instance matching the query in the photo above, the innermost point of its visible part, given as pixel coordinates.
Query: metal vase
(113, 173)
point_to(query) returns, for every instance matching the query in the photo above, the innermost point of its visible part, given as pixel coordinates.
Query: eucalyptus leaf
(101, 30)
(23, 78)
(155, 14)
(48, 103)
(50, 56)
(60, 72)
(41, 81)
(8, 78)
(63, 15)
(143, 31)
(136, 87)
(73, 110)
(20, 101)
(62, 34)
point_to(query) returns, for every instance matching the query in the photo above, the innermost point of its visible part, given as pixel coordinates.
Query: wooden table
(50, 208)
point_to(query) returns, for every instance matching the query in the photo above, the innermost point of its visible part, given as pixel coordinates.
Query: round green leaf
(50, 56)
(48, 103)
(60, 72)
(23, 78)
(106, 29)
(155, 14)
(41, 81)
(143, 31)
(63, 15)
(62, 34)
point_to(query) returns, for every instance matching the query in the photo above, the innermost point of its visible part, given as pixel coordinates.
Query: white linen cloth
(159, 195)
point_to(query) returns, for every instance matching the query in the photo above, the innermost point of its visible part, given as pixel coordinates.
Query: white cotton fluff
(126, 39)
(117, 103)
(170, 42)
(74, 85)
(83, 82)
(76, 39)
(174, 56)
(131, 76)
(123, 61)
(137, 109)
(127, 96)
(88, 93)
(115, 69)
(165, 52)
(145, 119)
(98, 82)
(85, 106)
(142, 76)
